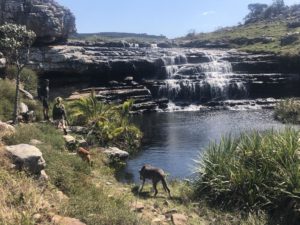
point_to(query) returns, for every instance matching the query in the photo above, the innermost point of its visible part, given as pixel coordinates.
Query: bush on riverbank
(288, 111)
(252, 172)
(108, 124)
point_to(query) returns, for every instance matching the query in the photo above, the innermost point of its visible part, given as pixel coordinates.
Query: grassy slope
(276, 30)
(94, 195)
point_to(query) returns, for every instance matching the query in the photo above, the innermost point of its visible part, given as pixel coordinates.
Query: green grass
(87, 201)
(276, 30)
(257, 171)
(7, 93)
(94, 202)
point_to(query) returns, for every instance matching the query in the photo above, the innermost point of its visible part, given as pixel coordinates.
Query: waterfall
(210, 80)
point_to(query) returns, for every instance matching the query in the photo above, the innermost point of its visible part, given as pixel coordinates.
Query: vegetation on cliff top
(274, 28)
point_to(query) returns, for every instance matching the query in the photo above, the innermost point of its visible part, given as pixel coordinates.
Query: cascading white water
(209, 80)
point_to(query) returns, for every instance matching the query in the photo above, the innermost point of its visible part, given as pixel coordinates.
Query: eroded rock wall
(50, 21)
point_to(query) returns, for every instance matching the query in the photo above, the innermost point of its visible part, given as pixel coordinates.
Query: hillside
(277, 33)
(118, 36)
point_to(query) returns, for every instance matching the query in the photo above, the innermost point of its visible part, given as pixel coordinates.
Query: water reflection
(173, 140)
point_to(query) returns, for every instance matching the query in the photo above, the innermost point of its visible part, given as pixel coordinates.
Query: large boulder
(27, 157)
(50, 21)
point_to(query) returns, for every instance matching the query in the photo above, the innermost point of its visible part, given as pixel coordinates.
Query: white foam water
(214, 79)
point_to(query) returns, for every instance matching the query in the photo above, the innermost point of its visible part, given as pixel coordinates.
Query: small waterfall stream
(212, 79)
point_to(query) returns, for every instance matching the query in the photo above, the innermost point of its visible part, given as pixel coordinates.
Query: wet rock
(179, 219)
(128, 79)
(60, 220)
(50, 21)
(27, 157)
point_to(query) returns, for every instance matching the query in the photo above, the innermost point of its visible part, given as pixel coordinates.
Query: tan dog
(85, 155)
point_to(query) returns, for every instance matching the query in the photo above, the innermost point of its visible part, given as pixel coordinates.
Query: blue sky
(172, 18)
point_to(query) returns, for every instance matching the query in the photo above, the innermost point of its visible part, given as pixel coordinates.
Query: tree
(15, 43)
(256, 11)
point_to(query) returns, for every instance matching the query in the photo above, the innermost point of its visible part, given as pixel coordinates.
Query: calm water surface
(173, 140)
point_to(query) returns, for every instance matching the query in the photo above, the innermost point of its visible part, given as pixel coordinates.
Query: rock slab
(114, 152)
(26, 157)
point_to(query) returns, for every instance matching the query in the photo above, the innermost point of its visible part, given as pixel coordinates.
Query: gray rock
(43, 176)
(78, 129)
(69, 139)
(114, 152)
(26, 94)
(6, 130)
(289, 38)
(26, 157)
(50, 21)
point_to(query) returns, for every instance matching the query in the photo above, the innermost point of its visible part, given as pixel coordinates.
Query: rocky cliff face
(50, 21)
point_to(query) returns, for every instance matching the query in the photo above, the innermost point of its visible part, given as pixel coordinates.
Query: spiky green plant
(288, 111)
(89, 109)
(254, 171)
(108, 123)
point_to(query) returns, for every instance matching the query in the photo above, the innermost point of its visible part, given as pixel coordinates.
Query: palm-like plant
(89, 110)
(108, 123)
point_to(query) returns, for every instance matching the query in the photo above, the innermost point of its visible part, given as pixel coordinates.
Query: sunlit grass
(253, 172)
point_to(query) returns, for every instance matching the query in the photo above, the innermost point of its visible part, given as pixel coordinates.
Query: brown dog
(85, 155)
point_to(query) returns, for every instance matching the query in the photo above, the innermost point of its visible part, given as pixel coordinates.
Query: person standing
(43, 94)
(59, 115)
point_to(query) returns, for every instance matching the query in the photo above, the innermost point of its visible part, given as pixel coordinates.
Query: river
(173, 140)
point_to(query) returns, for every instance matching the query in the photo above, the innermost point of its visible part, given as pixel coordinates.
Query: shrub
(7, 93)
(28, 78)
(288, 111)
(108, 123)
(254, 171)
